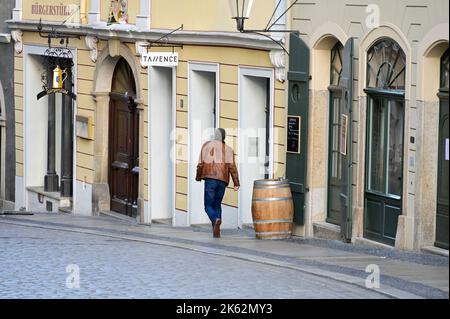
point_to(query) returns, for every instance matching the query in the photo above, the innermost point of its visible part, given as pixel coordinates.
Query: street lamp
(240, 11)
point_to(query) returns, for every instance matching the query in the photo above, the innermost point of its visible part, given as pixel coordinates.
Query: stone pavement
(402, 274)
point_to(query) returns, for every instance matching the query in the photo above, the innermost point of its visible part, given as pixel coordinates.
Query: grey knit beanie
(220, 134)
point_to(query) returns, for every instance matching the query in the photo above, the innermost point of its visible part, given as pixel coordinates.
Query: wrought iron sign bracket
(163, 42)
(54, 34)
(55, 57)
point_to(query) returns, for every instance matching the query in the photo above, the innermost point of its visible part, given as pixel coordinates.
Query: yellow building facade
(222, 79)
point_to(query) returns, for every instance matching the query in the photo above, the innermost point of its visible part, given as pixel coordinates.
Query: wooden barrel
(272, 209)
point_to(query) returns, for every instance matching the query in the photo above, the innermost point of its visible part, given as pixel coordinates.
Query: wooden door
(442, 224)
(345, 142)
(123, 154)
(334, 213)
(340, 136)
(384, 168)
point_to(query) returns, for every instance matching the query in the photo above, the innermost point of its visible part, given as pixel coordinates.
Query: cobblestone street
(33, 263)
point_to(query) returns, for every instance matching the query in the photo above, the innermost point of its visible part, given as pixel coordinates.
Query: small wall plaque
(84, 127)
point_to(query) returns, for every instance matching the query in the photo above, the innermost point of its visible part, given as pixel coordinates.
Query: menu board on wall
(293, 134)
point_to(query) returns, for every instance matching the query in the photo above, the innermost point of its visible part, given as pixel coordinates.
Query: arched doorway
(385, 88)
(339, 199)
(123, 142)
(2, 145)
(442, 210)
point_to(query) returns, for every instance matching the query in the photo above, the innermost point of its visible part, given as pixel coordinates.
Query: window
(445, 72)
(335, 108)
(386, 84)
(334, 134)
(386, 66)
(336, 64)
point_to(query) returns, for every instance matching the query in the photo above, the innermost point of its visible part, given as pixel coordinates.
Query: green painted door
(340, 155)
(345, 142)
(334, 158)
(296, 157)
(384, 168)
(442, 224)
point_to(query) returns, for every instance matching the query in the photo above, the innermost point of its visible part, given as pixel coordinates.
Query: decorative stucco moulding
(91, 43)
(17, 37)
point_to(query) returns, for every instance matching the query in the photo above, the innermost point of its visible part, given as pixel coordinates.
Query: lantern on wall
(240, 11)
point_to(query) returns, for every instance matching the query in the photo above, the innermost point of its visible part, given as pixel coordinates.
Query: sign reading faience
(293, 134)
(52, 10)
(159, 59)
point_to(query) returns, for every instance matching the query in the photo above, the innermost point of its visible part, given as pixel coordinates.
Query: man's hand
(236, 188)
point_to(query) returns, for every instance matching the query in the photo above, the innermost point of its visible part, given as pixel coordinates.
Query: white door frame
(149, 219)
(261, 73)
(203, 67)
(34, 49)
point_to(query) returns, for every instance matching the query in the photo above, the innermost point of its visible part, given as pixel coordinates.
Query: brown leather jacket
(217, 162)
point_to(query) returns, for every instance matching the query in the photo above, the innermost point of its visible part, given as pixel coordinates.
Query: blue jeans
(214, 192)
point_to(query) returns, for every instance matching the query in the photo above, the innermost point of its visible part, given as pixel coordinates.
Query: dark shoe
(216, 229)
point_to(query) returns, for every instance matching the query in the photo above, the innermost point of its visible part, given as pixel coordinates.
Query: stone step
(16, 213)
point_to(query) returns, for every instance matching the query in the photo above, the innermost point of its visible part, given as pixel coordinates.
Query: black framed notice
(293, 134)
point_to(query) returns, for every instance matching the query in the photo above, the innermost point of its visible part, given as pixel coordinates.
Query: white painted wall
(35, 132)
(161, 143)
(203, 95)
(36, 117)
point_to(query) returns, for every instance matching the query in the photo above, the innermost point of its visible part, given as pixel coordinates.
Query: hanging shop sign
(160, 59)
(293, 134)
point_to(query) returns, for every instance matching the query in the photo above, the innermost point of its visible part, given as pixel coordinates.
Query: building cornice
(5, 37)
(129, 33)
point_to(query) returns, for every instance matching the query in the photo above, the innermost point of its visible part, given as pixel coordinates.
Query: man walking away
(215, 166)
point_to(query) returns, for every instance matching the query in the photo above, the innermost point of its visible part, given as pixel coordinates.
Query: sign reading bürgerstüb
(51, 10)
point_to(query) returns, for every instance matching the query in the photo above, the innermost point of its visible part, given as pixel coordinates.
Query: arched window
(336, 64)
(442, 209)
(386, 77)
(386, 66)
(445, 72)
